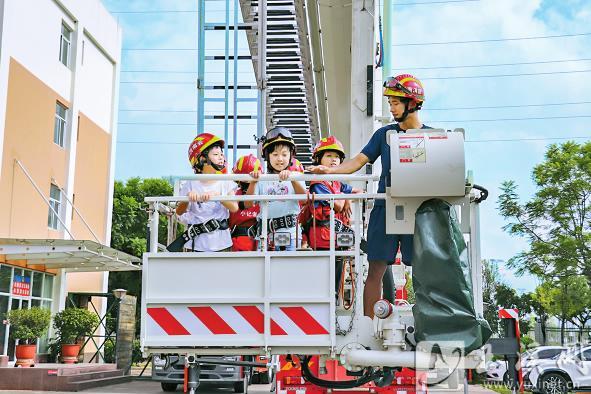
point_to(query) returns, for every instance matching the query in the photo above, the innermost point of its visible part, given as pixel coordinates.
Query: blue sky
(496, 150)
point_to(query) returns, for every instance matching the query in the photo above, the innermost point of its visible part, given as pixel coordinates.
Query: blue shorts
(382, 246)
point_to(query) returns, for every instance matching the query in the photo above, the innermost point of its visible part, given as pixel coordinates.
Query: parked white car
(497, 370)
(570, 371)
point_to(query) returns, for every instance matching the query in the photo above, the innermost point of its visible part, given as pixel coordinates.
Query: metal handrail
(275, 177)
(17, 161)
(261, 197)
(76, 210)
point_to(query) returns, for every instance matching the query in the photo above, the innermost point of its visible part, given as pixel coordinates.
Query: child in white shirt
(208, 229)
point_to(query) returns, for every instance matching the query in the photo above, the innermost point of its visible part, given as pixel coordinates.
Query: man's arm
(346, 167)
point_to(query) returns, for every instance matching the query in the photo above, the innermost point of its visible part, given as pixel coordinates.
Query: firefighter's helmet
(200, 144)
(296, 166)
(274, 136)
(405, 85)
(247, 164)
(200, 147)
(328, 144)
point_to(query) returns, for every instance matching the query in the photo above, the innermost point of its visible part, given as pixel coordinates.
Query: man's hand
(319, 169)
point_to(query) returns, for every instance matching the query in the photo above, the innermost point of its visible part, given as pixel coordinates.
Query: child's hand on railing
(283, 175)
(256, 174)
(347, 209)
(203, 197)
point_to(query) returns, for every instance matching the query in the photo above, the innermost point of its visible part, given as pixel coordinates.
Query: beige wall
(91, 179)
(28, 137)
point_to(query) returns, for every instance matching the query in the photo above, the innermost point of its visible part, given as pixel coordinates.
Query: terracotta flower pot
(70, 353)
(25, 355)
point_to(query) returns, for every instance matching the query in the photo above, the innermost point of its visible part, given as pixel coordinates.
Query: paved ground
(148, 387)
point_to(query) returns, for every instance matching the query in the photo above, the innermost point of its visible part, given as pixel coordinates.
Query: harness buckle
(211, 226)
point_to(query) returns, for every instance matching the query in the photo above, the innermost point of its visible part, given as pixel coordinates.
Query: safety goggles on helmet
(277, 134)
(404, 85)
(394, 84)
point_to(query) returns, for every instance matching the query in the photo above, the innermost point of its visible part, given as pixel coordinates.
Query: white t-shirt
(278, 209)
(202, 212)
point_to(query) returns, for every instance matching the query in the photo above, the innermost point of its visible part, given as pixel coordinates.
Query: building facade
(59, 77)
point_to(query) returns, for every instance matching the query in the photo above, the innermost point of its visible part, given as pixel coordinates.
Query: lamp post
(119, 293)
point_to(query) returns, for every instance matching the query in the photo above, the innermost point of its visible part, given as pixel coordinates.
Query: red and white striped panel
(223, 319)
(300, 320)
(509, 313)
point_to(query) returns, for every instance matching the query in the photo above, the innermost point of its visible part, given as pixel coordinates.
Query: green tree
(130, 218)
(129, 227)
(568, 299)
(557, 220)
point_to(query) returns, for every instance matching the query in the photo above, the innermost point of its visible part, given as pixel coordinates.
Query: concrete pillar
(362, 56)
(125, 332)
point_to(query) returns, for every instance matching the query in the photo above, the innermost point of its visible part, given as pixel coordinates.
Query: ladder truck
(204, 306)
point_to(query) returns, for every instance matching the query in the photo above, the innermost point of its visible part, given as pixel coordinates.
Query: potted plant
(73, 324)
(26, 326)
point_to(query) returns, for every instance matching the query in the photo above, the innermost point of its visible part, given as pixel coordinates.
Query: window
(37, 284)
(59, 127)
(5, 278)
(55, 203)
(548, 353)
(39, 293)
(65, 45)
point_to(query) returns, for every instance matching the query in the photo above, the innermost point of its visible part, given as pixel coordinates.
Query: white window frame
(29, 299)
(65, 42)
(60, 124)
(52, 218)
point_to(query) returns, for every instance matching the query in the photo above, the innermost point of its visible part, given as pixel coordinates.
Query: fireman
(405, 96)
(243, 222)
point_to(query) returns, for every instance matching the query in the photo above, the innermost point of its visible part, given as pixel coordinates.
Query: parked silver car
(169, 371)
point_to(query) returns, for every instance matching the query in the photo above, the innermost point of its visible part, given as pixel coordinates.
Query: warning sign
(438, 135)
(411, 148)
(21, 286)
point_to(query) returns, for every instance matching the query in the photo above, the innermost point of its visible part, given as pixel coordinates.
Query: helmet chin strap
(406, 112)
(217, 167)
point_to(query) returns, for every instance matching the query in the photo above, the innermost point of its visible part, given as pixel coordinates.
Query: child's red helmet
(200, 144)
(247, 164)
(329, 143)
(296, 166)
